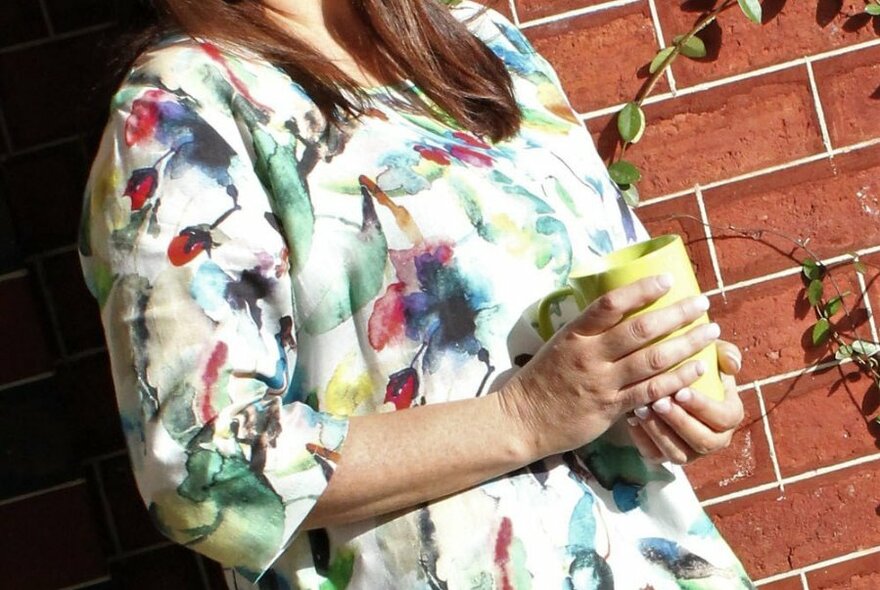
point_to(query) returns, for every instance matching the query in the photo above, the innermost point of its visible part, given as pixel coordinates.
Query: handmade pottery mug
(663, 254)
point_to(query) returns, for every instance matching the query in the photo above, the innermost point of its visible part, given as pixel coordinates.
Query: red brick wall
(777, 128)
(744, 142)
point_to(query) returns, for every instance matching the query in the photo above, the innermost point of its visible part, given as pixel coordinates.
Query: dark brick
(24, 335)
(10, 253)
(45, 195)
(51, 541)
(75, 308)
(54, 90)
(20, 20)
(169, 567)
(68, 15)
(89, 395)
(35, 439)
(133, 524)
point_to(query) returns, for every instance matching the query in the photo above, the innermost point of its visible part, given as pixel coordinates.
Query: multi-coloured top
(262, 276)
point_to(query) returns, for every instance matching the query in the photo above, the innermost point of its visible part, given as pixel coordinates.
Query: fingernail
(700, 368)
(701, 303)
(632, 421)
(684, 395)
(642, 412)
(735, 360)
(664, 280)
(712, 331)
(662, 405)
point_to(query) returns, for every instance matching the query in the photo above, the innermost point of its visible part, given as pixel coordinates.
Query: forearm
(398, 460)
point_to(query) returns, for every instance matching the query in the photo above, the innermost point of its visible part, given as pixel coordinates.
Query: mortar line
(88, 583)
(15, 274)
(710, 241)
(576, 13)
(48, 301)
(42, 146)
(870, 309)
(57, 37)
(813, 473)
(48, 21)
(661, 41)
(37, 493)
(139, 551)
(819, 565)
(820, 112)
(105, 508)
(804, 582)
(773, 68)
(26, 380)
(772, 446)
(513, 13)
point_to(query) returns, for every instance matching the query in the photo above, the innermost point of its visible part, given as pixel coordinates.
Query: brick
(849, 91)
(75, 308)
(20, 21)
(532, 9)
(745, 463)
(814, 520)
(49, 90)
(10, 253)
(91, 402)
(51, 540)
(682, 216)
(817, 419)
(169, 567)
(134, 526)
(721, 133)
(45, 195)
(790, 31)
(35, 438)
(834, 204)
(68, 15)
(861, 573)
(581, 50)
(772, 323)
(792, 583)
(24, 333)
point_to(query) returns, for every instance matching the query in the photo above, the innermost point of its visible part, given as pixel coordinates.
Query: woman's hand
(687, 426)
(600, 366)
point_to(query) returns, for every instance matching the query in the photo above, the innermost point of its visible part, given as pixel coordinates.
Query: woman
(316, 230)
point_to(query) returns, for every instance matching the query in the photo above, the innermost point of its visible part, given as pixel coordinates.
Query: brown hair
(417, 40)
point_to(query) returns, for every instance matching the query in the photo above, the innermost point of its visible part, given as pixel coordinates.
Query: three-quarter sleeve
(190, 267)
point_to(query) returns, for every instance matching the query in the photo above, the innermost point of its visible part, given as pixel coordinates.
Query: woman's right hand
(600, 366)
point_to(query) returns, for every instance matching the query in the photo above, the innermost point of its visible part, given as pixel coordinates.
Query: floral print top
(262, 276)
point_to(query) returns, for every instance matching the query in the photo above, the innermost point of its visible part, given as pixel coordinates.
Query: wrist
(519, 422)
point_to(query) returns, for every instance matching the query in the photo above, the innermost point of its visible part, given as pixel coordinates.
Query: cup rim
(656, 244)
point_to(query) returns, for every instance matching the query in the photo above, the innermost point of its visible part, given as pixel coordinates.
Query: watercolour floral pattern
(263, 277)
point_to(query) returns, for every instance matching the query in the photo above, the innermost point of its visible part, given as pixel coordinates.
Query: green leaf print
(340, 571)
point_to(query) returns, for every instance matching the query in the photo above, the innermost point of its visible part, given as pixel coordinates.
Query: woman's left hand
(688, 426)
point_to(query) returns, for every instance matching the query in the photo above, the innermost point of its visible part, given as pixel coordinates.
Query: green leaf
(821, 331)
(752, 9)
(659, 59)
(844, 352)
(630, 195)
(833, 306)
(693, 47)
(812, 269)
(631, 122)
(865, 348)
(624, 173)
(814, 292)
(873, 9)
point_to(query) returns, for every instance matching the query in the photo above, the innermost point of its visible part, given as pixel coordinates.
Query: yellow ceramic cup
(664, 254)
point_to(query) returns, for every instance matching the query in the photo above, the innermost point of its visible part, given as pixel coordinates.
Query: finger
(717, 415)
(659, 357)
(662, 385)
(729, 357)
(635, 333)
(701, 439)
(643, 442)
(610, 308)
(673, 447)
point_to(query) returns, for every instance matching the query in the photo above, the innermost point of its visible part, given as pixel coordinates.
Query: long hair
(417, 40)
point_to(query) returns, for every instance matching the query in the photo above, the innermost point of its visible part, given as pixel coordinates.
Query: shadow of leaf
(698, 5)
(606, 143)
(827, 11)
(856, 22)
(712, 37)
(876, 94)
(771, 9)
